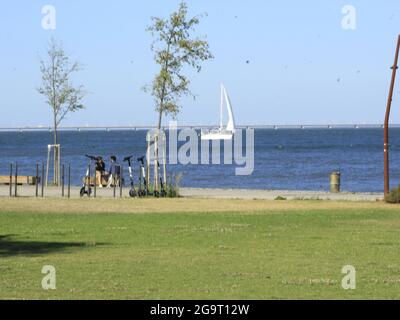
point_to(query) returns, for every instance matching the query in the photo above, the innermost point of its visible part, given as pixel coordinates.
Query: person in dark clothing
(114, 172)
(100, 170)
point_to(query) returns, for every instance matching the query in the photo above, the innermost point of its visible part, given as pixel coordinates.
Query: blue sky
(304, 67)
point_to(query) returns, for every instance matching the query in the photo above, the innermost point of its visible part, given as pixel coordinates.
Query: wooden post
(16, 180)
(89, 182)
(95, 182)
(156, 156)
(37, 180)
(147, 164)
(120, 181)
(114, 186)
(56, 148)
(11, 173)
(48, 163)
(165, 159)
(42, 180)
(387, 118)
(69, 181)
(58, 163)
(55, 171)
(62, 180)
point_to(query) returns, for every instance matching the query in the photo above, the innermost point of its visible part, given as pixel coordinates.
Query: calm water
(284, 159)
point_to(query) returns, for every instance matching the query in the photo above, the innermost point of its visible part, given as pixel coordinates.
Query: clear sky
(303, 66)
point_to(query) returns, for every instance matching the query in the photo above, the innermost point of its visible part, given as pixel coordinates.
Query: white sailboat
(222, 133)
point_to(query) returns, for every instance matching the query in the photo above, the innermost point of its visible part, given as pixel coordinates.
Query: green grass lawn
(232, 255)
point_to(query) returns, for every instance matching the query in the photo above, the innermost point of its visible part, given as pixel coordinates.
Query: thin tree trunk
(161, 107)
(55, 132)
(156, 147)
(55, 173)
(160, 116)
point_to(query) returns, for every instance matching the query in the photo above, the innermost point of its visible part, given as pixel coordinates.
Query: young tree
(61, 95)
(175, 47)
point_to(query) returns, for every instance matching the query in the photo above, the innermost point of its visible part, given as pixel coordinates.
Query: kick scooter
(132, 192)
(86, 188)
(143, 184)
(163, 192)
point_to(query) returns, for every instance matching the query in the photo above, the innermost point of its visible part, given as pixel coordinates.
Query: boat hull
(224, 135)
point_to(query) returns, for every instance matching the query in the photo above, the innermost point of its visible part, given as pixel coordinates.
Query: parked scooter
(132, 192)
(143, 183)
(86, 188)
(163, 191)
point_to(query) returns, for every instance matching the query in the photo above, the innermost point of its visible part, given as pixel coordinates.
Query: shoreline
(249, 194)
(204, 193)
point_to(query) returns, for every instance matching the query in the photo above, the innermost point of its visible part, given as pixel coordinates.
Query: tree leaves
(61, 95)
(174, 47)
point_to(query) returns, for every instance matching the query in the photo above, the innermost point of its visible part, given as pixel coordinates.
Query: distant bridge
(197, 127)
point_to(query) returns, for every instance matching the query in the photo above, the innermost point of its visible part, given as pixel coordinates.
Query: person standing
(100, 170)
(114, 173)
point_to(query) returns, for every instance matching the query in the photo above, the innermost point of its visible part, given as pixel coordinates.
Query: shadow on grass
(10, 247)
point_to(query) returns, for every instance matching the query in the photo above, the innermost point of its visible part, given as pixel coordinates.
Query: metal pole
(42, 180)
(11, 174)
(37, 180)
(16, 180)
(69, 181)
(62, 180)
(387, 118)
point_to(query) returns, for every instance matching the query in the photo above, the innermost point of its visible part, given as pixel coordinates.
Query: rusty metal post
(387, 118)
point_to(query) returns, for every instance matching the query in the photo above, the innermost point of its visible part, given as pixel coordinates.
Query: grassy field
(198, 249)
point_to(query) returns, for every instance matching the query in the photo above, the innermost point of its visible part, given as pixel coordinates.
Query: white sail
(231, 121)
(222, 133)
(221, 111)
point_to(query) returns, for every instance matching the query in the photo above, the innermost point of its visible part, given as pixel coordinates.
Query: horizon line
(188, 126)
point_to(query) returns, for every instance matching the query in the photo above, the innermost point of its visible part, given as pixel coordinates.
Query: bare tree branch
(57, 87)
